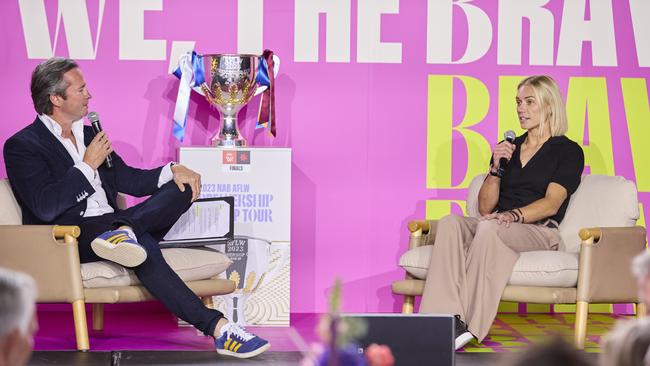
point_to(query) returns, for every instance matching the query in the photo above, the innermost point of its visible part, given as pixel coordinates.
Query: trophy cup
(230, 83)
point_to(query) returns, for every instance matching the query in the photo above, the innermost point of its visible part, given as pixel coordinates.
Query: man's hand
(98, 150)
(183, 175)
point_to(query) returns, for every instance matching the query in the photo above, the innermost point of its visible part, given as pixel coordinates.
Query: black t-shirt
(559, 160)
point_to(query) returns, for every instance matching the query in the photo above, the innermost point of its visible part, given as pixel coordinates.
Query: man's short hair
(17, 297)
(47, 79)
(641, 265)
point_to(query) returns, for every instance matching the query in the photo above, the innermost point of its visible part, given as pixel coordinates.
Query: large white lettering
(639, 10)
(77, 28)
(250, 26)
(540, 46)
(599, 30)
(439, 31)
(581, 21)
(369, 45)
(337, 43)
(133, 46)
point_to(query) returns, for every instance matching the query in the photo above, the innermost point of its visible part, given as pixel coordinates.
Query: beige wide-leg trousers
(471, 263)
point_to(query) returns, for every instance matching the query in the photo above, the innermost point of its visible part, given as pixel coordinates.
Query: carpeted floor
(512, 332)
(133, 336)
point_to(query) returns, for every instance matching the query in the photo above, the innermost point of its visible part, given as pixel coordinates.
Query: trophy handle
(276, 69)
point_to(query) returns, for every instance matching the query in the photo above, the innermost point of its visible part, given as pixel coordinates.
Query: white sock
(224, 329)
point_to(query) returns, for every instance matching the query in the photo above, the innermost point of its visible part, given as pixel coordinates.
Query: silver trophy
(230, 83)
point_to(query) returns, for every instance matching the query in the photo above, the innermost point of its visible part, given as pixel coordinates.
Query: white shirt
(97, 203)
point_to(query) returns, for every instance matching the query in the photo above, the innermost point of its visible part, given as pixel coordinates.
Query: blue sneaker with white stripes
(118, 246)
(235, 341)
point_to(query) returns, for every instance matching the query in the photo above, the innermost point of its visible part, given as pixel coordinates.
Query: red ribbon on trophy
(266, 76)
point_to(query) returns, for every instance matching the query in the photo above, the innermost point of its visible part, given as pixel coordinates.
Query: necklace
(527, 143)
(530, 154)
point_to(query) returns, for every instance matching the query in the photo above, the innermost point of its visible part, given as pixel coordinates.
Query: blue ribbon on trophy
(190, 72)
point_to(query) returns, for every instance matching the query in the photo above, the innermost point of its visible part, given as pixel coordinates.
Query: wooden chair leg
(98, 316)
(80, 325)
(641, 310)
(582, 310)
(207, 301)
(407, 307)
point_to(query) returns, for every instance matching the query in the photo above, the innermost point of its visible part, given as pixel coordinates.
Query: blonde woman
(522, 205)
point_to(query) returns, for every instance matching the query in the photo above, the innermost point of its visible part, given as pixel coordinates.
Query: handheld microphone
(93, 117)
(503, 162)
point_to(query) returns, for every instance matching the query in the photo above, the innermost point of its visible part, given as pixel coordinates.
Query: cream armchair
(592, 265)
(49, 254)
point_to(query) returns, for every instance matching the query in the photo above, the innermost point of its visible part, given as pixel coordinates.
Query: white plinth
(260, 181)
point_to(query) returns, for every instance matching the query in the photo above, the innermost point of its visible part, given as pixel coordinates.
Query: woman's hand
(503, 149)
(503, 218)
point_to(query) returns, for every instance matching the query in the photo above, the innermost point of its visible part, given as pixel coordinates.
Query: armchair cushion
(189, 263)
(537, 268)
(10, 213)
(600, 201)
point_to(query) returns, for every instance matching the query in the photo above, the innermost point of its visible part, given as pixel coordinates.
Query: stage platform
(200, 358)
(133, 336)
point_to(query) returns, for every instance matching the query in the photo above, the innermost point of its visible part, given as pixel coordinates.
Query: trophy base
(229, 143)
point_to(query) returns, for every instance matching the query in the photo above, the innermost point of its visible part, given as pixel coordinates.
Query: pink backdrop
(358, 130)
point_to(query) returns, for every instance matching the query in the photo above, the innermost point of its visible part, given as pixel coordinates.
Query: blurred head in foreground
(552, 353)
(627, 344)
(17, 317)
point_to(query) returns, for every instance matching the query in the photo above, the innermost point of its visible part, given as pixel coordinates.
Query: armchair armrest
(604, 274)
(422, 232)
(49, 254)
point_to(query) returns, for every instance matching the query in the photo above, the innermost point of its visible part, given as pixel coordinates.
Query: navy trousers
(150, 221)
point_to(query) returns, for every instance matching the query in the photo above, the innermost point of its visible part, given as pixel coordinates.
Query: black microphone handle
(509, 136)
(98, 128)
(503, 162)
(109, 161)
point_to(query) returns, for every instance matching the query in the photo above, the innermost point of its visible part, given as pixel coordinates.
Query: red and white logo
(229, 157)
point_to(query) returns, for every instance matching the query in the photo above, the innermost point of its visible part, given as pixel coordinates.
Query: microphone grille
(93, 117)
(508, 135)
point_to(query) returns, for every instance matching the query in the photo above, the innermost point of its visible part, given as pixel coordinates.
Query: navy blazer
(50, 190)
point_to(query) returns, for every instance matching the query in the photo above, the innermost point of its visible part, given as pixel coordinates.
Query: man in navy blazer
(57, 171)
